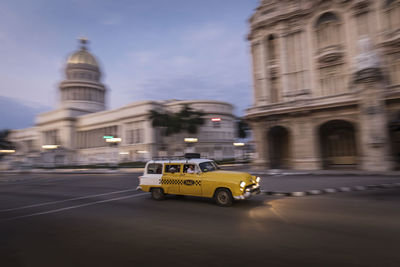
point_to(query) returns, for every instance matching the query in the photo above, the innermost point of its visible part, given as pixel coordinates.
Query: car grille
(250, 187)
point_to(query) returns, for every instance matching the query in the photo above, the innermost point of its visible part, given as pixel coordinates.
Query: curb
(396, 174)
(331, 190)
(71, 172)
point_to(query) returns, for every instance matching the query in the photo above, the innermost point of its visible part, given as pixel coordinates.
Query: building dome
(82, 56)
(82, 89)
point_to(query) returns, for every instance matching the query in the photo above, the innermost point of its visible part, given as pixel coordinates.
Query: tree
(241, 128)
(185, 120)
(4, 143)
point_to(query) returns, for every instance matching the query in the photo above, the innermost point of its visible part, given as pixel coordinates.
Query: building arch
(394, 134)
(278, 138)
(329, 32)
(338, 146)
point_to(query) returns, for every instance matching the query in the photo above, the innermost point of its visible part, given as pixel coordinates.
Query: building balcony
(273, 68)
(391, 38)
(330, 54)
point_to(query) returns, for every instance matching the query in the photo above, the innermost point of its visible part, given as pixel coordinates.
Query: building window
(274, 90)
(51, 137)
(134, 136)
(216, 124)
(328, 30)
(331, 80)
(295, 67)
(362, 24)
(329, 38)
(392, 15)
(393, 61)
(271, 48)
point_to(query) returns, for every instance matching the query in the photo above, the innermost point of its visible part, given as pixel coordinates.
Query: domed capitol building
(75, 133)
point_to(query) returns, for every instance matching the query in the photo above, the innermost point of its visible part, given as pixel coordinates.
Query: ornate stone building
(326, 84)
(77, 127)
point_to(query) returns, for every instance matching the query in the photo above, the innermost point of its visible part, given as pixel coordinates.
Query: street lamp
(190, 141)
(113, 141)
(240, 145)
(7, 151)
(50, 146)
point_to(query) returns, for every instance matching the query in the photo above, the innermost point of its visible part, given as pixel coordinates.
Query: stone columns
(259, 72)
(261, 144)
(284, 80)
(66, 134)
(304, 144)
(375, 142)
(264, 85)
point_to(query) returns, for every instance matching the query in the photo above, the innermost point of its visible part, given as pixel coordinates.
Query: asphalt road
(100, 220)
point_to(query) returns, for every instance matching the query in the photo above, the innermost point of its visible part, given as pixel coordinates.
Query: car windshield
(208, 166)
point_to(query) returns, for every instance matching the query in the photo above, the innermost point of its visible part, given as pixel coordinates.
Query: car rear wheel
(223, 197)
(157, 193)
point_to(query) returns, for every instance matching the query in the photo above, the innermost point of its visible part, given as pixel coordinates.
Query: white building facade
(78, 127)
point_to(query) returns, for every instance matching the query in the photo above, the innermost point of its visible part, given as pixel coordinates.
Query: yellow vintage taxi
(197, 177)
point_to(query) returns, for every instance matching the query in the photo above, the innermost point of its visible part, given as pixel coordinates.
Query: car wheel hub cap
(223, 197)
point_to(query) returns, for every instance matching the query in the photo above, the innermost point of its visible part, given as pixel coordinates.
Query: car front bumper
(254, 190)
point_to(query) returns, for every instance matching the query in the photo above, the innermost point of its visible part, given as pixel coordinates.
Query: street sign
(108, 137)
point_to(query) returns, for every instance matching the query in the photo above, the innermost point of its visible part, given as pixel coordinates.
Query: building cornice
(297, 106)
(269, 14)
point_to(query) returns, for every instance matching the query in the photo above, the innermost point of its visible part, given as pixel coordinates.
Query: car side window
(169, 168)
(154, 168)
(189, 168)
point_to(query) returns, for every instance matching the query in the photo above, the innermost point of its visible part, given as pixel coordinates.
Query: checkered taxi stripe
(180, 182)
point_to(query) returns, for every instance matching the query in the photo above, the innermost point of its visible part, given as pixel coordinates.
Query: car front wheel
(223, 197)
(157, 193)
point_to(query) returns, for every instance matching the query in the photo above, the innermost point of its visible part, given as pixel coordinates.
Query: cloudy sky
(148, 50)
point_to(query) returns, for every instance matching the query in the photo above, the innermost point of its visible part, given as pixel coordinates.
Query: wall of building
(318, 65)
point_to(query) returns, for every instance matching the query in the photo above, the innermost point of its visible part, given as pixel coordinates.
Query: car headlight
(242, 184)
(258, 179)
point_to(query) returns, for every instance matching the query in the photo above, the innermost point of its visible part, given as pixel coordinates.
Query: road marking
(331, 190)
(72, 207)
(66, 200)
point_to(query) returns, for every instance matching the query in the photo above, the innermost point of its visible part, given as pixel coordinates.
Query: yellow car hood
(232, 175)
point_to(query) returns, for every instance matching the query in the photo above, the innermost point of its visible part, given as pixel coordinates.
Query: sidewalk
(73, 171)
(282, 172)
(327, 173)
(232, 167)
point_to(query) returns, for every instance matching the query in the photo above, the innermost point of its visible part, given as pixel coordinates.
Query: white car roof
(193, 161)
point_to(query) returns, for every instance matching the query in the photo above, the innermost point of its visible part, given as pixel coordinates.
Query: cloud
(16, 114)
(206, 62)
